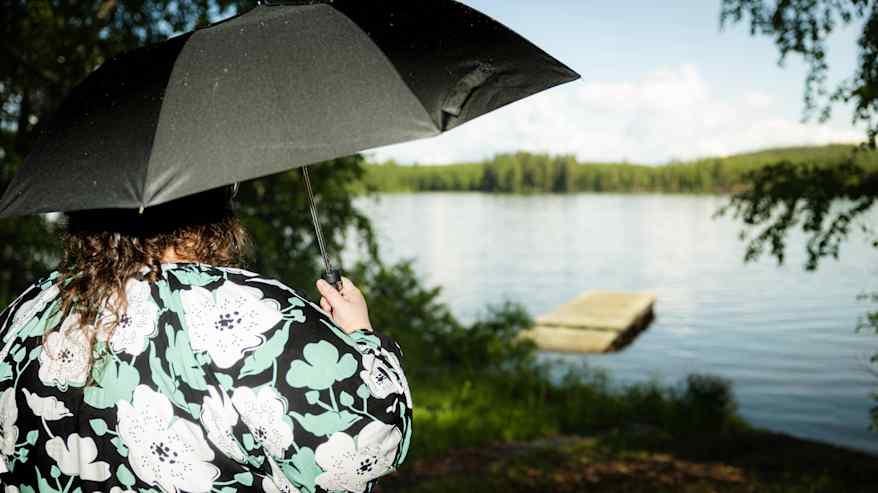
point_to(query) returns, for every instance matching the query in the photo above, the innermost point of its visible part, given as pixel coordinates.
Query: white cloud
(671, 113)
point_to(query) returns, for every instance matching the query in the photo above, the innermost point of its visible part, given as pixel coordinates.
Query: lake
(785, 337)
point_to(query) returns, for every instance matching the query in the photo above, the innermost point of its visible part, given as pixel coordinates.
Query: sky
(660, 82)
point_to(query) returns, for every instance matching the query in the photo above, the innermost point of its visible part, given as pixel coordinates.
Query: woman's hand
(347, 307)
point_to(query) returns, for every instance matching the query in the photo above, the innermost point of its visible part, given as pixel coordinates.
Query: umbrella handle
(333, 277)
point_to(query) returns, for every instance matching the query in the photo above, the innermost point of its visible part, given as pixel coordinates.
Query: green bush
(476, 384)
(431, 337)
(707, 403)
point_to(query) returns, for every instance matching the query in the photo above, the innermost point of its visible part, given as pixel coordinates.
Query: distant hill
(524, 172)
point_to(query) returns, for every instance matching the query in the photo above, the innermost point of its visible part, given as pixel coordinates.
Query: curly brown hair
(105, 248)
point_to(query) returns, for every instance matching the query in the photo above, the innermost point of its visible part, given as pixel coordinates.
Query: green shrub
(707, 403)
(477, 384)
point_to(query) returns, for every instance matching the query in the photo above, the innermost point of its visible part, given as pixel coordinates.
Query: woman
(148, 362)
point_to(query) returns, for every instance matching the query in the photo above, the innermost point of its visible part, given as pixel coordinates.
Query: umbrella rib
(393, 67)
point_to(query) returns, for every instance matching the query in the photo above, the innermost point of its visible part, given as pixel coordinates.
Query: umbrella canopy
(277, 87)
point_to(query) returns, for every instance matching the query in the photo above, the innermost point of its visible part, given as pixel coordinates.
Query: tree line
(524, 172)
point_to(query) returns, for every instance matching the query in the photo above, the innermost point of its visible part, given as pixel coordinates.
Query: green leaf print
(290, 313)
(120, 446)
(406, 441)
(363, 391)
(244, 478)
(125, 476)
(35, 353)
(5, 371)
(312, 396)
(370, 339)
(42, 484)
(224, 380)
(99, 426)
(163, 381)
(249, 444)
(50, 317)
(183, 363)
(321, 368)
(50, 279)
(116, 382)
(345, 398)
(327, 423)
(171, 300)
(352, 339)
(261, 359)
(18, 355)
(32, 437)
(305, 468)
(194, 277)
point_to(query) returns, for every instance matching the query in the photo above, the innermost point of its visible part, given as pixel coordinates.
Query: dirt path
(644, 462)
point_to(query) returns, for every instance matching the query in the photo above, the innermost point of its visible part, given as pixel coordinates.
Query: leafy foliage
(432, 338)
(275, 212)
(801, 27)
(460, 410)
(785, 195)
(826, 202)
(524, 172)
(472, 383)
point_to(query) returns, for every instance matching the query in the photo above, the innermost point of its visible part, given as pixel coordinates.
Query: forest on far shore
(524, 172)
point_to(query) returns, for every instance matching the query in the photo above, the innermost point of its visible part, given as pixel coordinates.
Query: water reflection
(784, 336)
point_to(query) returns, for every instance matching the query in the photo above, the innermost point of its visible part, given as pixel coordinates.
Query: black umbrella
(277, 87)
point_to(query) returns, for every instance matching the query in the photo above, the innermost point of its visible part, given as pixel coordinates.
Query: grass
(454, 410)
(488, 418)
(512, 431)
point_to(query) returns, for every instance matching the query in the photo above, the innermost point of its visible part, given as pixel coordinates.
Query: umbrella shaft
(315, 219)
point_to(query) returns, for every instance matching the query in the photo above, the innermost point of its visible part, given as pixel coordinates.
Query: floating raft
(594, 322)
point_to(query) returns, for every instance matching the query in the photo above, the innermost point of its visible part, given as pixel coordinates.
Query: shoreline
(644, 458)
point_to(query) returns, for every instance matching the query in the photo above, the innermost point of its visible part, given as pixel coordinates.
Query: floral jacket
(216, 379)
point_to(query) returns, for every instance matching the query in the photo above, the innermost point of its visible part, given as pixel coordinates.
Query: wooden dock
(594, 322)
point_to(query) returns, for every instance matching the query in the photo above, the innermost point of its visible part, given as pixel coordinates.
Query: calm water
(784, 336)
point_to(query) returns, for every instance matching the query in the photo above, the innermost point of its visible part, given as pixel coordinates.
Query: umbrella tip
(141, 210)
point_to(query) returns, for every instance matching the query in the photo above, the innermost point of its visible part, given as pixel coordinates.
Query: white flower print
(48, 408)
(31, 308)
(349, 463)
(226, 322)
(164, 449)
(64, 361)
(384, 380)
(263, 412)
(277, 482)
(257, 293)
(174, 428)
(8, 417)
(138, 323)
(403, 381)
(23, 315)
(76, 457)
(236, 270)
(218, 416)
(378, 377)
